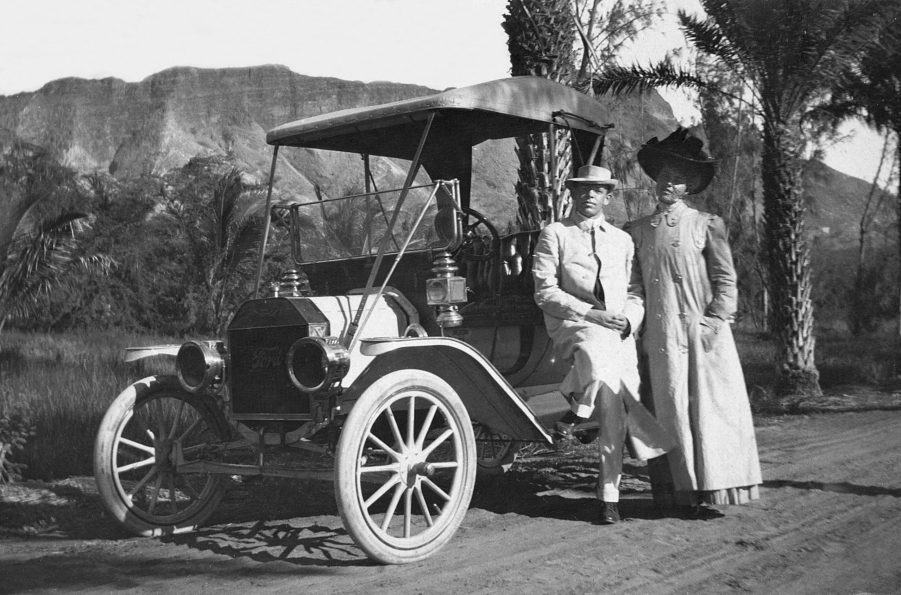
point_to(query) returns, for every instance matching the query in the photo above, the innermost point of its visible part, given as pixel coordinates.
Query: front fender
(488, 397)
(133, 354)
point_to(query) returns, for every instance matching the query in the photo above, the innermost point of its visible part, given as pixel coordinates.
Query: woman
(683, 273)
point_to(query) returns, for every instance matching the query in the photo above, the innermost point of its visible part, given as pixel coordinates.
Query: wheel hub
(163, 453)
(412, 467)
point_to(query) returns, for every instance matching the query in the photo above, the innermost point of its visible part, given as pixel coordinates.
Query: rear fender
(488, 396)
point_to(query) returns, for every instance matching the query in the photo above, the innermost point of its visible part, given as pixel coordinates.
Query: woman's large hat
(683, 151)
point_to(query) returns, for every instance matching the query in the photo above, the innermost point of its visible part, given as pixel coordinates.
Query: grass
(842, 360)
(63, 384)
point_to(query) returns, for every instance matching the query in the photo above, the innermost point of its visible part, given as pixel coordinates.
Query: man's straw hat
(593, 174)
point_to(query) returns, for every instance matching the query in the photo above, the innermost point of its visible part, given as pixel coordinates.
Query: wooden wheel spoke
(140, 485)
(435, 488)
(176, 418)
(394, 428)
(381, 491)
(189, 488)
(136, 465)
(157, 486)
(194, 449)
(143, 423)
(426, 426)
(380, 469)
(189, 429)
(173, 504)
(438, 442)
(408, 511)
(395, 498)
(445, 464)
(137, 445)
(422, 505)
(411, 422)
(160, 417)
(378, 442)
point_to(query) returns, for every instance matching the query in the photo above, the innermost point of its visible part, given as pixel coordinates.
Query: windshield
(358, 225)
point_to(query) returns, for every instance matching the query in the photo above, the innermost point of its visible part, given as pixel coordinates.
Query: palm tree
(39, 258)
(217, 211)
(28, 174)
(786, 52)
(38, 243)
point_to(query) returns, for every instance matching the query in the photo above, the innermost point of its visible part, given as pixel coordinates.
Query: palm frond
(841, 38)
(619, 80)
(40, 260)
(712, 37)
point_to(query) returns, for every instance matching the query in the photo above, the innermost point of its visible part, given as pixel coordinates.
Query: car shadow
(295, 541)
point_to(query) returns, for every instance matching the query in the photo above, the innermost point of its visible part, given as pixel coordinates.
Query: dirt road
(829, 521)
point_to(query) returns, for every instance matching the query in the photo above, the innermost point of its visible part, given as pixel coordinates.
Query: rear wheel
(406, 466)
(495, 451)
(148, 428)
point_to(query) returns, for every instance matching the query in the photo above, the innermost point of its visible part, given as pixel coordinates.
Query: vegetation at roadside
(58, 387)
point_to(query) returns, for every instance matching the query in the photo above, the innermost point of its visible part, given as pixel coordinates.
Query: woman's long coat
(683, 273)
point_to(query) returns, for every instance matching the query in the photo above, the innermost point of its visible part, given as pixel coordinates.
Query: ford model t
(398, 355)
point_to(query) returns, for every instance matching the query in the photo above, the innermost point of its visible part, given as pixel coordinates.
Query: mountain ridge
(159, 123)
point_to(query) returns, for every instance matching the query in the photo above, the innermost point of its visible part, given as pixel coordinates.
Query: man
(685, 278)
(581, 268)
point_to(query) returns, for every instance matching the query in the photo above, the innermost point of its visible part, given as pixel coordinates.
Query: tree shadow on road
(562, 485)
(837, 487)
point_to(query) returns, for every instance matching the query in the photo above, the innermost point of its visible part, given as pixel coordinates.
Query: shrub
(15, 430)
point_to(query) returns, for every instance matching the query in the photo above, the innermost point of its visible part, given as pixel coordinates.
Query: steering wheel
(475, 245)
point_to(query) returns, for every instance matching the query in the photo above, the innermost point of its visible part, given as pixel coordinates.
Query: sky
(436, 43)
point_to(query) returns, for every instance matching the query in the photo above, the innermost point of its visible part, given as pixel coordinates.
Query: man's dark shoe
(587, 436)
(700, 512)
(565, 426)
(571, 426)
(609, 513)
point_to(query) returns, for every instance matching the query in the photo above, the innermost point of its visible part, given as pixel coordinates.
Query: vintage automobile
(398, 359)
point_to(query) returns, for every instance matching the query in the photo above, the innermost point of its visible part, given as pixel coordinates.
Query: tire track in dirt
(802, 522)
(769, 542)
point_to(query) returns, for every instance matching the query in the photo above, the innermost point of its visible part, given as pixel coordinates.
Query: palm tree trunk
(789, 259)
(540, 37)
(898, 198)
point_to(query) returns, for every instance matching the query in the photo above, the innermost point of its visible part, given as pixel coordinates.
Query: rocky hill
(161, 122)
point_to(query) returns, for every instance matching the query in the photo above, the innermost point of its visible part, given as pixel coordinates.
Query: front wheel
(150, 427)
(406, 467)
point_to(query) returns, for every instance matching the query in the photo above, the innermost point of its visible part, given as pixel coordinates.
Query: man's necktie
(598, 288)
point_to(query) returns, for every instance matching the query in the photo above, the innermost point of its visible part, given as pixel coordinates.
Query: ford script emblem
(265, 357)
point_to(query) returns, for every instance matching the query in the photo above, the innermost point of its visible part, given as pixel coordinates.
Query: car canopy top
(462, 118)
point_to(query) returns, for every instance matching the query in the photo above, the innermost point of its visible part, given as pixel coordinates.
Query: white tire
(406, 467)
(145, 426)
